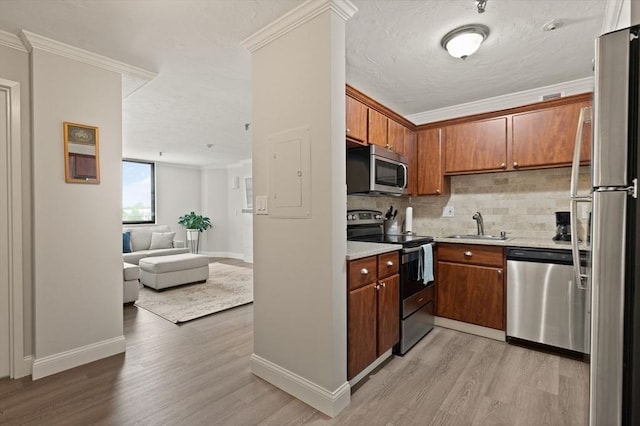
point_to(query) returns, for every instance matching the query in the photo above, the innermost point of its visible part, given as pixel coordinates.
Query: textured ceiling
(202, 94)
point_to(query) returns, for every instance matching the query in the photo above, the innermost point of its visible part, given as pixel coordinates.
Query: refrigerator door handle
(585, 117)
(579, 277)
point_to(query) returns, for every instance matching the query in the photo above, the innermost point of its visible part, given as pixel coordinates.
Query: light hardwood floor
(198, 374)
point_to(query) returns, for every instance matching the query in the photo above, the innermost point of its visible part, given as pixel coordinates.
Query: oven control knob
(378, 216)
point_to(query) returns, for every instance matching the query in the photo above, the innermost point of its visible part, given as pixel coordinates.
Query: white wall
(177, 193)
(215, 195)
(14, 66)
(299, 264)
(77, 227)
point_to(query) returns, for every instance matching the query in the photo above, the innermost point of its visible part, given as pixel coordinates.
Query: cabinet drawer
(471, 254)
(362, 271)
(388, 264)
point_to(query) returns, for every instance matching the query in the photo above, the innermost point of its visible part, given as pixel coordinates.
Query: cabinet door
(378, 125)
(411, 153)
(388, 313)
(356, 125)
(430, 175)
(476, 146)
(469, 293)
(395, 136)
(546, 137)
(361, 329)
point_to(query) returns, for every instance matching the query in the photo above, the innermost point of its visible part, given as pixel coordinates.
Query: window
(138, 192)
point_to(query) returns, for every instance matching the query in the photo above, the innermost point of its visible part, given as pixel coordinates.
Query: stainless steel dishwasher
(544, 304)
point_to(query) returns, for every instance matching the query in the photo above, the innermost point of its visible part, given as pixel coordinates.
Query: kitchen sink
(479, 237)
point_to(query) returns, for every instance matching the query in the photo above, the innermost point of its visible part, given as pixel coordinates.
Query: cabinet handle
(377, 287)
(438, 191)
(383, 284)
(500, 272)
(503, 165)
(468, 254)
(389, 263)
(364, 271)
(515, 164)
(348, 130)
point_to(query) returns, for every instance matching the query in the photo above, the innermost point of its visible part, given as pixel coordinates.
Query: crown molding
(296, 17)
(12, 41)
(612, 14)
(502, 102)
(34, 41)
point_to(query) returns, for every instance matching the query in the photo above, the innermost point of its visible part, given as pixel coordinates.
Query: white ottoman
(176, 269)
(131, 283)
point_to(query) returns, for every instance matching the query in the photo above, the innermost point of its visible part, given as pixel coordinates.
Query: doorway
(11, 283)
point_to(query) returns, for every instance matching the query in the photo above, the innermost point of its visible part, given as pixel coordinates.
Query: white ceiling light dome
(464, 41)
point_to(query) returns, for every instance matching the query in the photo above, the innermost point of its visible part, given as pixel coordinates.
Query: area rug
(227, 287)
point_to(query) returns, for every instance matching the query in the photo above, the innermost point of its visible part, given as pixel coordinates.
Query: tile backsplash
(521, 203)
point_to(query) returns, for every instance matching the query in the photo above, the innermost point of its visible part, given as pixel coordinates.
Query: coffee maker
(563, 227)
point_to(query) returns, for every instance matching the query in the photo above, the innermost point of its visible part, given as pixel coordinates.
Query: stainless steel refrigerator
(614, 274)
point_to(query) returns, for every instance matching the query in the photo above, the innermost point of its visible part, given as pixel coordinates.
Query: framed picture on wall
(81, 154)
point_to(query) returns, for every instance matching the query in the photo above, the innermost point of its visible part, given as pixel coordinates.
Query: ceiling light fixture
(464, 41)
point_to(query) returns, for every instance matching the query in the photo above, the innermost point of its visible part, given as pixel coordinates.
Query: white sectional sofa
(151, 241)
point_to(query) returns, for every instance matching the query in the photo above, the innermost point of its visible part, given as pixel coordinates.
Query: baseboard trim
(52, 364)
(470, 328)
(364, 373)
(23, 368)
(323, 400)
(228, 254)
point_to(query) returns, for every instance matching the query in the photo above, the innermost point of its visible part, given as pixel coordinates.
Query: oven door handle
(413, 250)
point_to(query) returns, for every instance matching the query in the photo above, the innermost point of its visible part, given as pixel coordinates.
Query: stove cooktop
(406, 240)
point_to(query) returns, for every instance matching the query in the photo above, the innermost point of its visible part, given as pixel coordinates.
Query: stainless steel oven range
(416, 298)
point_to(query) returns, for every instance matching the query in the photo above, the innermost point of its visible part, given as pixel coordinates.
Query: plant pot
(193, 240)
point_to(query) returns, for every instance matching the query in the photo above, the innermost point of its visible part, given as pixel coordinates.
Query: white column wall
(240, 223)
(77, 227)
(299, 264)
(215, 195)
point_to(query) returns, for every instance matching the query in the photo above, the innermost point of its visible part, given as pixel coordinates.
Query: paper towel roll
(408, 220)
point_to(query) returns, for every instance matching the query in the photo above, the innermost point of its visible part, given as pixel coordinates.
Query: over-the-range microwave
(373, 169)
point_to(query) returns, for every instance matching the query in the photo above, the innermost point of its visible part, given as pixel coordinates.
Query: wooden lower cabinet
(468, 292)
(388, 317)
(362, 329)
(373, 310)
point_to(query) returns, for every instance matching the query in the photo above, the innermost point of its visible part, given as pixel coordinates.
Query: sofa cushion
(141, 236)
(134, 257)
(130, 272)
(178, 262)
(126, 242)
(162, 240)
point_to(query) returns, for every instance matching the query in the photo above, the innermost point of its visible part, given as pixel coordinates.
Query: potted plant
(194, 224)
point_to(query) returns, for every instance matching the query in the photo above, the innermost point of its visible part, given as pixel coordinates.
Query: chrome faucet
(478, 218)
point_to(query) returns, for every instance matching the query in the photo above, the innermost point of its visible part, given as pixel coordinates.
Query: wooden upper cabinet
(395, 136)
(431, 180)
(410, 151)
(356, 125)
(546, 137)
(378, 125)
(476, 146)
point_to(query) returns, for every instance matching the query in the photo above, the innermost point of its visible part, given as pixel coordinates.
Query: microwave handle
(406, 176)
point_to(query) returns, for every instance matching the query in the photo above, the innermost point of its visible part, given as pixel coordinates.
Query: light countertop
(359, 249)
(514, 242)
